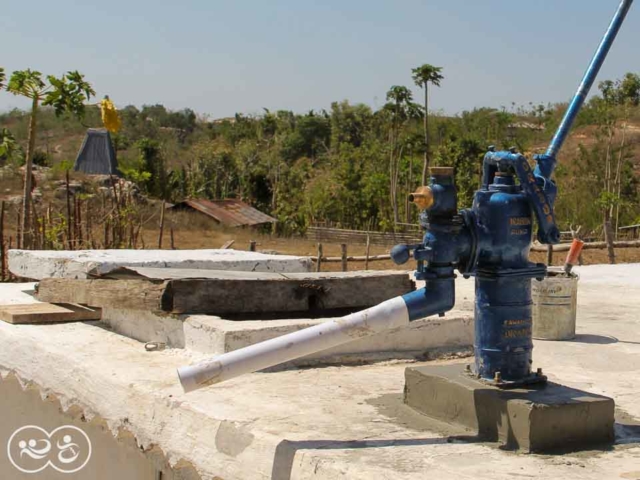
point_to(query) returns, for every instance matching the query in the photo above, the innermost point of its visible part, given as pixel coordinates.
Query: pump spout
(394, 313)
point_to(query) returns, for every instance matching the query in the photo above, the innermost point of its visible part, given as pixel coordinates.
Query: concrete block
(539, 418)
(146, 326)
(39, 264)
(214, 335)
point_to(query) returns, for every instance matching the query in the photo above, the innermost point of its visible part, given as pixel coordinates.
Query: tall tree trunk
(25, 227)
(392, 168)
(425, 167)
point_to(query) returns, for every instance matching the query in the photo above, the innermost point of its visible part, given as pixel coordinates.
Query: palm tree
(401, 109)
(423, 76)
(66, 94)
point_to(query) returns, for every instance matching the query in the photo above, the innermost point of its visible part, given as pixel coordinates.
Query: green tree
(9, 148)
(66, 94)
(423, 76)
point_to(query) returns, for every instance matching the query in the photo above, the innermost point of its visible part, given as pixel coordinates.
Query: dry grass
(193, 231)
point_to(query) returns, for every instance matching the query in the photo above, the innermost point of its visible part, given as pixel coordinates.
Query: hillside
(349, 166)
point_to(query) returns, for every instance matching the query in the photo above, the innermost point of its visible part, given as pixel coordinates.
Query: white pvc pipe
(390, 314)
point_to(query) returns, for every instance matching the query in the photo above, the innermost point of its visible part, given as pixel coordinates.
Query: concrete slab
(540, 418)
(39, 264)
(18, 294)
(334, 422)
(429, 338)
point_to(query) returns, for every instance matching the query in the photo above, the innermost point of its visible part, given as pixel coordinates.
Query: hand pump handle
(589, 78)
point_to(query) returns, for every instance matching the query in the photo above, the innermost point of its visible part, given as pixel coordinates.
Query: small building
(97, 155)
(229, 212)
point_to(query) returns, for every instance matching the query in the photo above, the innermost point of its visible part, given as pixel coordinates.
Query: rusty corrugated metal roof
(230, 212)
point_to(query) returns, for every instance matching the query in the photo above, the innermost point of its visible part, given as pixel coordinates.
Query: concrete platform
(429, 338)
(39, 264)
(325, 423)
(540, 418)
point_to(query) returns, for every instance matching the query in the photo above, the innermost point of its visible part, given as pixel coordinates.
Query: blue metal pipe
(589, 78)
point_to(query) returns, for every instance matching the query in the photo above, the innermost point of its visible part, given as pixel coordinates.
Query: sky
(222, 57)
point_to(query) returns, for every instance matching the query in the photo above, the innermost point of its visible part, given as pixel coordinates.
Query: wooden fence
(359, 237)
(563, 247)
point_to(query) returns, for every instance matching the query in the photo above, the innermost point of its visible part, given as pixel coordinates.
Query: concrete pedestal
(540, 418)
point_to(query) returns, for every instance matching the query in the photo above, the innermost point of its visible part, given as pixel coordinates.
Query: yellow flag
(110, 117)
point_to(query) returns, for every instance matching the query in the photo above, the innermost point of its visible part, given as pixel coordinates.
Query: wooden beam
(125, 294)
(232, 292)
(227, 244)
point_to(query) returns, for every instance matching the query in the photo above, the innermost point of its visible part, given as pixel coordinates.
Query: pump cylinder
(503, 327)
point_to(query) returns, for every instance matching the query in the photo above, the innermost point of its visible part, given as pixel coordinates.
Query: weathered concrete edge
(192, 436)
(28, 263)
(425, 339)
(124, 437)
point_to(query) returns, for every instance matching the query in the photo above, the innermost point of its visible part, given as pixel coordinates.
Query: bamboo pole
(69, 229)
(161, 225)
(608, 237)
(367, 251)
(78, 223)
(88, 224)
(549, 255)
(18, 231)
(319, 258)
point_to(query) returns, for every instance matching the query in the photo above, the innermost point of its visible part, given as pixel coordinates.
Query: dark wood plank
(125, 294)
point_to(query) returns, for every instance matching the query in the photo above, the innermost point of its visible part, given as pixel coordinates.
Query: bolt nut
(467, 368)
(539, 372)
(497, 377)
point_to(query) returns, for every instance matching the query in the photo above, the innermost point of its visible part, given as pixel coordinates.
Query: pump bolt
(539, 372)
(467, 368)
(497, 377)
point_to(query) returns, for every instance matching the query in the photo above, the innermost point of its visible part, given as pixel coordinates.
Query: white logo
(66, 449)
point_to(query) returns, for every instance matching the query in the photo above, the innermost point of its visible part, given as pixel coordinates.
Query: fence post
(345, 265)
(608, 237)
(319, 262)
(366, 255)
(161, 225)
(549, 255)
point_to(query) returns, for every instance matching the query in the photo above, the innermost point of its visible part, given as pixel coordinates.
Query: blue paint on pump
(503, 326)
(492, 240)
